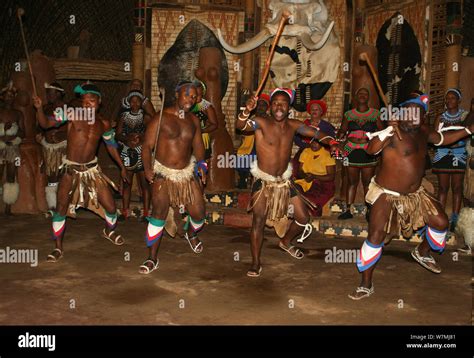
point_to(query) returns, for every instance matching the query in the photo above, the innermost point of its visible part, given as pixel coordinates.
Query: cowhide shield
(399, 59)
(181, 60)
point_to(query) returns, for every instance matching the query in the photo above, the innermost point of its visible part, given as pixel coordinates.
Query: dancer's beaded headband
(87, 88)
(286, 91)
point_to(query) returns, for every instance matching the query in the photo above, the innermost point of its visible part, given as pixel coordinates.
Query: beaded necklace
(453, 119)
(133, 120)
(361, 118)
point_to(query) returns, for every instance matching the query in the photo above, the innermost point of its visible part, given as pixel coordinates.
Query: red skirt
(319, 194)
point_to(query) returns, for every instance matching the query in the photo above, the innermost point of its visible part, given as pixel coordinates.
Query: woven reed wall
(437, 69)
(166, 26)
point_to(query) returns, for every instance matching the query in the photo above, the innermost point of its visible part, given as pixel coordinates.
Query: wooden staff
(284, 19)
(20, 12)
(153, 153)
(363, 57)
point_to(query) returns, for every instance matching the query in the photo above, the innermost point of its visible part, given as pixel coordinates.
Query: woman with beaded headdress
(130, 134)
(449, 162)
(147, 106)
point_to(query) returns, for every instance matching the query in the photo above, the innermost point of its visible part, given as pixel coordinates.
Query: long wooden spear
(20, 12)
(283, 21)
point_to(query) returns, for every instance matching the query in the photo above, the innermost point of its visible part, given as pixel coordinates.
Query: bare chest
(413, 144)
(275, 136)
(82, 129)
(177, 129)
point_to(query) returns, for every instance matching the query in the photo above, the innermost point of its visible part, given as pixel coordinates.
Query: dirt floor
(95, 283)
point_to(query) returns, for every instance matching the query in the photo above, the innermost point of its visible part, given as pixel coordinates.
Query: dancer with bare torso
(176, 172)
(53, 142)
(82, 183)
(397, 195)
(272, 190)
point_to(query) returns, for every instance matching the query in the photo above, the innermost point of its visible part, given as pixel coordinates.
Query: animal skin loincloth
(53, 154)
(178, 182)
(411, 210)
(87, 180)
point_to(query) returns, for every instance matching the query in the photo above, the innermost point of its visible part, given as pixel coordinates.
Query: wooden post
(247, 61)
(453, 42)
(453, 64)
(138, 47)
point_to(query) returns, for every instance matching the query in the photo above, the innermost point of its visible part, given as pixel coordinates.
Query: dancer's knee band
(196, 225)
(369, 255)
(111, 220)
(59, 224)
(154, 230)
(436, 238)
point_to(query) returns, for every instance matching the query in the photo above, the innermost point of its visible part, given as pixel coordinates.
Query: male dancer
(397, 194)
(174, 170)
(272, 190)
(53, 143)
(82, 182)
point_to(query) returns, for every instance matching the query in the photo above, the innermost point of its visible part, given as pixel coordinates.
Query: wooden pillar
(358, 40)
(453, 61)
(138, 48)
(247, 62)
(359, 22)
(210, 72)
(453, 42)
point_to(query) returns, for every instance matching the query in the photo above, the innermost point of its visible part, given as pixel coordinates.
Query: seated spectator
(315, 175)
(246, 153)
(317, 109)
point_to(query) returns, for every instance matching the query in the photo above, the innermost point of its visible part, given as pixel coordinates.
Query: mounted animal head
(308, 23)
